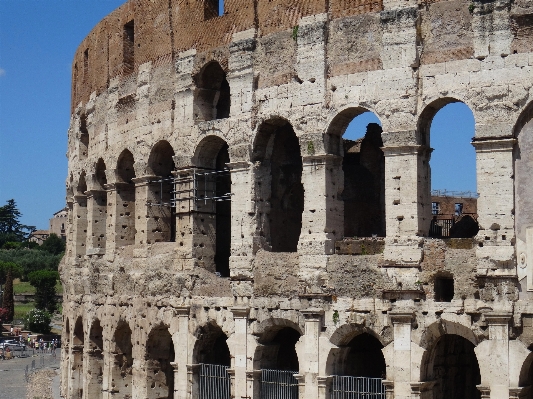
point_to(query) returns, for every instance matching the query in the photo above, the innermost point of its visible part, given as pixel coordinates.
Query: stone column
(253, 382)
(244, 243)
(389, 389)
(494, 164)
(301, 385)
(322, 218)
(154, 222)
(309, 366)
(80, 226)
(401, 368)
(175, 376)
(407, 203)
(181, 350)
(324, 386)
(120, 215)
(184, 214)
(519, 392)
(96, 221)
(493, 356)
(239, 343)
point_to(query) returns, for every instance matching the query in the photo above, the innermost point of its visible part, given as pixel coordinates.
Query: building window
(444, 289)
(435, 208)
(128, 41)
(213, 8)
(458, 208)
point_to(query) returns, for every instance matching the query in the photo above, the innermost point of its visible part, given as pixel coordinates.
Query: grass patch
(24, 287)
(22, 309)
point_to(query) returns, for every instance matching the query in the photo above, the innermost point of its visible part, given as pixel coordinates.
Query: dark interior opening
(213, 8)
(123, 361)
(84, 138)
(287, 192)
(223, 214)
(279, 353)
(212, 347)
(128, 47)
(444, 289)
(160, 373)
(455, 369)
(364, 185)
(212, 98)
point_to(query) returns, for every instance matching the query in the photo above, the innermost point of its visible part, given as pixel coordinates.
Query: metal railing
(357, 388)
(278, 384)
(214, 382)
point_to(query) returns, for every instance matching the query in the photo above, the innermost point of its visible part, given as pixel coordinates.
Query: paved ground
(13, 383)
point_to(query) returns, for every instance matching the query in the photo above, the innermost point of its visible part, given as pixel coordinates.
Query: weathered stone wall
(146, 299)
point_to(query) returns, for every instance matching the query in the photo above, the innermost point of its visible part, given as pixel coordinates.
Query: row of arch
(450, 362)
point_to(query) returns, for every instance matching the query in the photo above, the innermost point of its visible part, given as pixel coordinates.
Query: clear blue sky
(37, 43)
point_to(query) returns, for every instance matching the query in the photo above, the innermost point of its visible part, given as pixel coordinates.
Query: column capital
(240, 311)
(253, 374)
(116, 185)
(93, 192)
(174, 366)
(401, 317)
(498, 319)
(518, 392)
(192, 368)
(312, 314)
(182, 310)
(321, 158)
(485, 391)
(80, 197)
(408, 149)
(323, 381)
(422, 386)
(238, 166)
(143, 180)
(494, 144)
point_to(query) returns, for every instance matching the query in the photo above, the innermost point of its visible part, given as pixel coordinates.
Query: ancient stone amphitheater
(225, 241)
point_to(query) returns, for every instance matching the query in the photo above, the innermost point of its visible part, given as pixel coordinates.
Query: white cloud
(2, 72)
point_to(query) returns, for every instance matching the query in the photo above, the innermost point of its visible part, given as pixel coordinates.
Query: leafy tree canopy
(44, 282)
(53, 244)
(10, 227)
(16, 270)
(30, 260)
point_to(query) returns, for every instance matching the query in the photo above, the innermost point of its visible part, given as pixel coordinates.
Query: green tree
(44, 282)
(8, 302)
(38, 321)
(53, 244)
(30, 260)
(10, 227)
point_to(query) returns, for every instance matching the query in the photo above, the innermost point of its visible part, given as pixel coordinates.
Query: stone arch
(212, 99)
(95, 361)
(278, 185)
(453, 364)
(435, 218)
(124, 202)
(526, 376)
(213, 203)
(159, 357)
(211, 346)
(363, 168)
(122, 360)
(161, 221)
(76, 368)
(277, 340)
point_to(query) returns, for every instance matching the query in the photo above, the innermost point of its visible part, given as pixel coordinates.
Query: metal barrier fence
(278, 384)
(214, 382)
(357, 388)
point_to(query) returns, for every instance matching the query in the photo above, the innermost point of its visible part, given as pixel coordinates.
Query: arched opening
(122, 361)
(76, 368)
(213, 204)
(212, 98)
(279, 189)
(97, 210)
(358, 367)
(159, 371)
(125, 200)
(454, 367)
(279, 363)
(448, 126)
(161, 223)
(84, 138)
(526, 377)
(212, 354)
(95, 364)
(364, 171)
(80, 217)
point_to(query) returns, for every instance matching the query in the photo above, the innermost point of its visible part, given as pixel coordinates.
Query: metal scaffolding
(198, 186)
